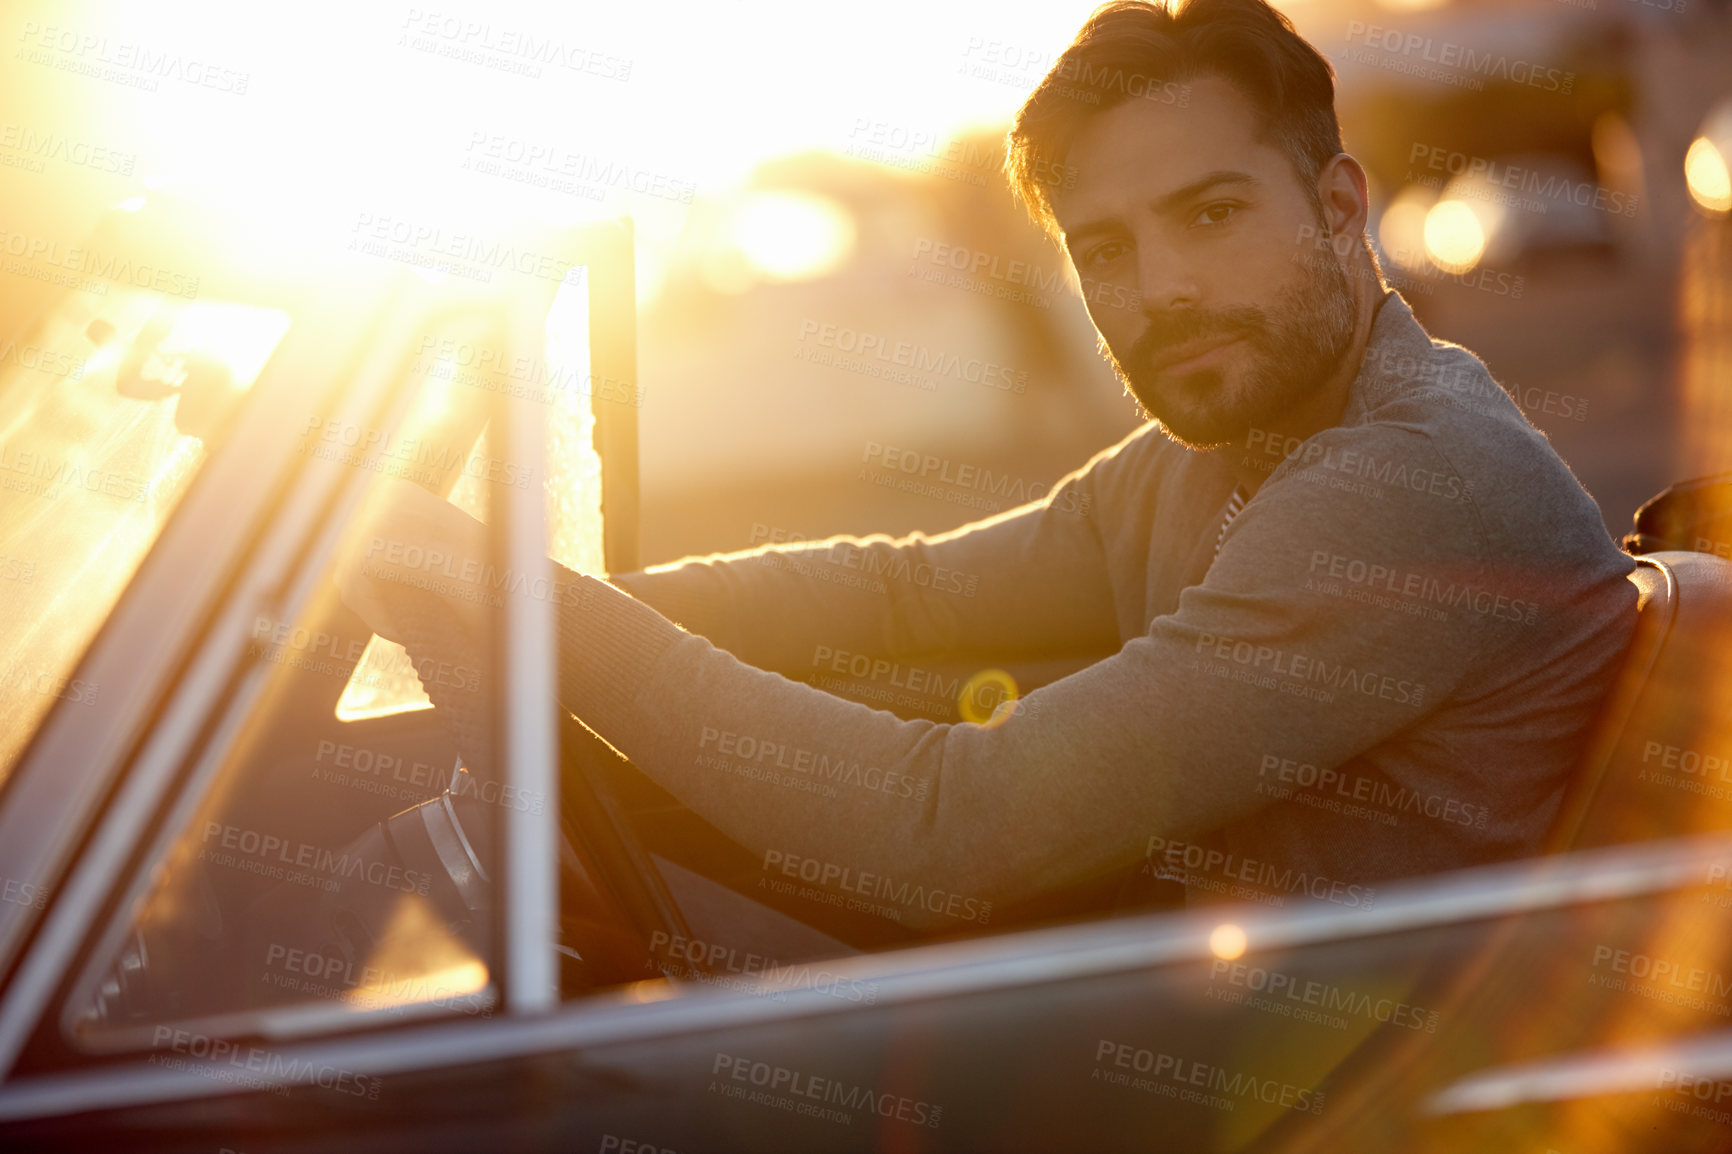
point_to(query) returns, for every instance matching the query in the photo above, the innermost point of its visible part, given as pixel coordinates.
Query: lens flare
(1227, 942)
(988, 698)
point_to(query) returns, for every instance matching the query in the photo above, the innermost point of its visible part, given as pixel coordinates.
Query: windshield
(105, 411)
(347, 821)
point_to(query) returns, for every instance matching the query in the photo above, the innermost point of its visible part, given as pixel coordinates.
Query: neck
(1322, 409)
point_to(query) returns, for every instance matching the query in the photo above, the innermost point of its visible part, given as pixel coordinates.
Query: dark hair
(1132, 49)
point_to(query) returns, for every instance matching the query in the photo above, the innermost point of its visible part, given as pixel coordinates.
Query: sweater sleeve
(1164, 739)
(986, 587)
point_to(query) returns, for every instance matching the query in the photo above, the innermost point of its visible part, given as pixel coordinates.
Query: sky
(311, 114)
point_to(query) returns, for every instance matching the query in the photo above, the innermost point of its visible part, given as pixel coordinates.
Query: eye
(1216, 214)
(1105, 253)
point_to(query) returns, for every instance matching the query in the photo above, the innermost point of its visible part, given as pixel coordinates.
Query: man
(1362, 613)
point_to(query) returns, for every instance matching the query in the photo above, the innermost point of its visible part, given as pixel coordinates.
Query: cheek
(1302, 245)
(1268, 231)
(1272, 280)
(1118, 325)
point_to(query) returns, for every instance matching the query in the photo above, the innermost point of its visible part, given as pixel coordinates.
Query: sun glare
(788, 236)
(240, 337)
(446, 124)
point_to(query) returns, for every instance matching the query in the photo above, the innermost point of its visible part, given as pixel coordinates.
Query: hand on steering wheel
(405, 539)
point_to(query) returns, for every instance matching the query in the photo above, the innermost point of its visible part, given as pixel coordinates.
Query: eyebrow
(1166, 203)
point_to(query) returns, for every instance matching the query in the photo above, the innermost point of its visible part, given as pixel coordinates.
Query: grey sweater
(1385, 670)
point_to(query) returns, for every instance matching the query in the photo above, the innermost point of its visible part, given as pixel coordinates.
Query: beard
(1292, 349)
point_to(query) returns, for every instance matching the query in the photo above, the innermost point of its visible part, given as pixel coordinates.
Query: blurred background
(813, 185)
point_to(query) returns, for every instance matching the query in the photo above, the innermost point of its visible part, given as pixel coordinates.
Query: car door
(1331, 1031)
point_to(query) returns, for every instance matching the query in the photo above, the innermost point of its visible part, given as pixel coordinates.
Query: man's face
(1224, 314)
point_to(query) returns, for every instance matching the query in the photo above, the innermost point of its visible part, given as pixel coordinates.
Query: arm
(984, 587)
(1163, 739)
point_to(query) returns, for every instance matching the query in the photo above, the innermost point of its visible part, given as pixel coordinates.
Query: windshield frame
(155, 643)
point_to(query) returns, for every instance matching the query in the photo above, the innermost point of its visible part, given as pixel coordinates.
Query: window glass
(106, 411)
(340, 864)
(384, 681)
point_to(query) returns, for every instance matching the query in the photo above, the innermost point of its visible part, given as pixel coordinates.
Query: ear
(1344, 195)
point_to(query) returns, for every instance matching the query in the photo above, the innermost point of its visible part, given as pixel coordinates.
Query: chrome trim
(1029, 958)
(455, 853)
(529, 734)
(1706, 1057)
(468, 850)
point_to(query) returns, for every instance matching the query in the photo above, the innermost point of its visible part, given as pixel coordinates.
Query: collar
(1397, 345)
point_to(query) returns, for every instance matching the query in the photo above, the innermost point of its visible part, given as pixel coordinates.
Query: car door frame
(174, 645)
(904, 978)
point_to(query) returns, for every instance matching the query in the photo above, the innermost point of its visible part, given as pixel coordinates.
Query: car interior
(344, 848)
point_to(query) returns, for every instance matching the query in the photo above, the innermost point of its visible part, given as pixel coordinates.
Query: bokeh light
(1401, 231)
(1706, 174)
(1455, 238)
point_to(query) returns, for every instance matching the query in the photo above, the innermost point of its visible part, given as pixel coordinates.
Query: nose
(1165, 280)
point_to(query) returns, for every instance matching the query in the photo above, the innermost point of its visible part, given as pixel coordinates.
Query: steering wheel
(614, 903)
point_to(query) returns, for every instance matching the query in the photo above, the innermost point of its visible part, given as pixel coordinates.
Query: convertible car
(256, 899)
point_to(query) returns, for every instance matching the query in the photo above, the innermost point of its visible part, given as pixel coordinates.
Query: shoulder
(1134, 467)
(1436, 462)
(1525, 496)
(1374, 482)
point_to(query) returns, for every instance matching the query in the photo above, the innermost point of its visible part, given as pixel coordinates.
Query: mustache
(1180, 326)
